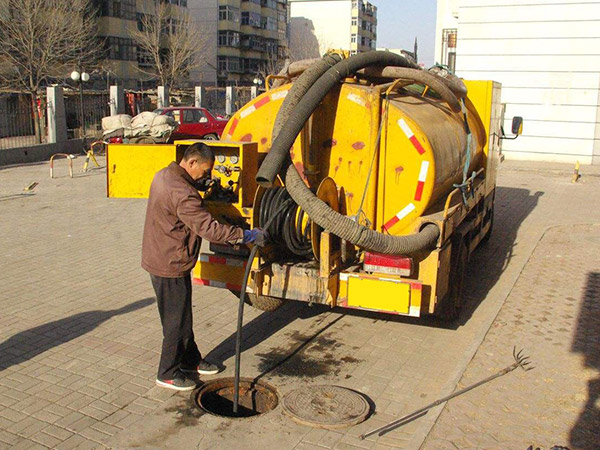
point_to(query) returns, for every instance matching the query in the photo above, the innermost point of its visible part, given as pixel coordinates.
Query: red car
(194, 123)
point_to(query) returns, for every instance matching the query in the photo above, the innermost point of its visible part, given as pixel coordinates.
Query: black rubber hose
(304, 97)
(294, 118)
(274, 161)
(434, 81)
(240, 321)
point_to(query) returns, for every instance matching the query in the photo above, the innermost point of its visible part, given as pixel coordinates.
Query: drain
(216, 397)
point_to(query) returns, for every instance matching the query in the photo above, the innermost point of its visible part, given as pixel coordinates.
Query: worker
(176, 222)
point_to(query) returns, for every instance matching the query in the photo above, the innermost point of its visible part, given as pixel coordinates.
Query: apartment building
(249, 38)
(319, 25)
(117, 19)
(546, 54)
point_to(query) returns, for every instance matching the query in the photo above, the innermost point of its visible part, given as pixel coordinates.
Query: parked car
(194, 123)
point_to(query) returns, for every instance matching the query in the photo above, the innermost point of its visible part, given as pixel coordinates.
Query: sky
(400, 21)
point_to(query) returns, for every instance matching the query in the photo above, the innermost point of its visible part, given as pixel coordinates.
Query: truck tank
(413, 146)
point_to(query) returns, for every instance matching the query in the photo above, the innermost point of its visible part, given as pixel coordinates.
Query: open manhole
(216, 397)
(326, 406)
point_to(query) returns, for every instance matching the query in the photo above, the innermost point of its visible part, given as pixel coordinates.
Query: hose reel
(293, 232)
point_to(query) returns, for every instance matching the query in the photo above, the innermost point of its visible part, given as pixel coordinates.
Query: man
(176, 222)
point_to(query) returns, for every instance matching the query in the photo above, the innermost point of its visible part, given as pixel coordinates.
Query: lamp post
(80, 78)
(257, 82)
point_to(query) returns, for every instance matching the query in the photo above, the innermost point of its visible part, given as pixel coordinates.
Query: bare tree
(42, 40)
(171, 42)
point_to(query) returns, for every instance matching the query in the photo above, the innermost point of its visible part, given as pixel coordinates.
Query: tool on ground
(30, 187)
(521, 361)
(238, 337)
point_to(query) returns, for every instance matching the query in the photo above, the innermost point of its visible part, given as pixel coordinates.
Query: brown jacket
(176, 222)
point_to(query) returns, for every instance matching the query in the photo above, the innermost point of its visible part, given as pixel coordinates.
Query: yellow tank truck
(381, 176)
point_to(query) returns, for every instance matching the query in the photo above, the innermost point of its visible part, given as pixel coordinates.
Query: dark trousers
(174, 299)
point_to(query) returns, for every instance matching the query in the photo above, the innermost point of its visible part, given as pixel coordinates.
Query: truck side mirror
(517, 125)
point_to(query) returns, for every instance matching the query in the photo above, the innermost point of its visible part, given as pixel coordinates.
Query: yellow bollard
(576, 174)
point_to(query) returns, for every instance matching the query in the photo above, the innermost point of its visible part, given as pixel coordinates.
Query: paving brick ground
(79, 333)
(554, 312)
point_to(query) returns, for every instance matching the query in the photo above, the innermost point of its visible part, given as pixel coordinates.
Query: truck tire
(263, 302)
(485, 239)
(211, 137)
(451, 305)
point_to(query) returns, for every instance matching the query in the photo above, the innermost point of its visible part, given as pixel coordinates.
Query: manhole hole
(326, 406)
(216, 397)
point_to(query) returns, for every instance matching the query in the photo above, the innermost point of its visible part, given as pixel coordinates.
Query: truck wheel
(211, 137)
(485, 239)
(263, 302)
(451, 305)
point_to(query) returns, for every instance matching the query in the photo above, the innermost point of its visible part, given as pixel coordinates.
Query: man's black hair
(200, 151)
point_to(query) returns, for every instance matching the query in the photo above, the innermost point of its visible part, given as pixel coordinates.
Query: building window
(228, 64)
(123, 9)
(354, 22)
(229, 13)
(268, 23)
(449, 36)
(353, 39)
(122, 49)
(269, 4)
(252, 19)
(229, 38)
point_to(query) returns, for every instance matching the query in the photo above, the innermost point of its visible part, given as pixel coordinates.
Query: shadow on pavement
(586, 341)
(263, 327)
(29, 343)
(490, 260)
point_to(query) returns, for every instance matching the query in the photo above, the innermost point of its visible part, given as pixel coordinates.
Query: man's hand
(255, 236)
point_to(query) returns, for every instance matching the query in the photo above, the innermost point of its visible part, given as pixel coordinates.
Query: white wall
(546, 54)
(327, 22)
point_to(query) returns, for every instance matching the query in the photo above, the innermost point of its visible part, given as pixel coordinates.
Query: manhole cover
(326, 406)
(216, 397)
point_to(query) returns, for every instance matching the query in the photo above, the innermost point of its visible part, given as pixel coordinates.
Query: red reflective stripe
(217, 260)
(263, 101)
(419, 193)
(416, 286)
(417, 144)
(233, 125)
(390, 223)
(201, 282)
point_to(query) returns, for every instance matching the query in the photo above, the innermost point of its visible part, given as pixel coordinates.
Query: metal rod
(520, 361)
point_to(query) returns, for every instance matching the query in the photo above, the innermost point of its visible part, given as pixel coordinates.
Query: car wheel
(211, 137)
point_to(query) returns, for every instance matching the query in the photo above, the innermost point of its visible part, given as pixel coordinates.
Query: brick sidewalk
(554, 313)
(79, 334)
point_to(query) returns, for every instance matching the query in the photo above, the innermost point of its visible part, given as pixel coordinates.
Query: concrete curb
(37, 153)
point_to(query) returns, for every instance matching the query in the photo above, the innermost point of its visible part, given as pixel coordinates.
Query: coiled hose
(294, 114)
(289, 231)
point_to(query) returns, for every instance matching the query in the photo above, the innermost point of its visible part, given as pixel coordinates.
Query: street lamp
(257, 81)
(80, 78)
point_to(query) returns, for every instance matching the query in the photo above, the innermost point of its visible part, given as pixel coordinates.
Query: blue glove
(255, 236)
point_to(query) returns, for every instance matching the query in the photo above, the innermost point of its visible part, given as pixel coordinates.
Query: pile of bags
(145, 124)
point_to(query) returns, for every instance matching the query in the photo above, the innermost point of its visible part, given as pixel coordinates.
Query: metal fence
(95, 106)
(18, 120)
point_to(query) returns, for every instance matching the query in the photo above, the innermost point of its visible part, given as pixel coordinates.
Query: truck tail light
(390, 264)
